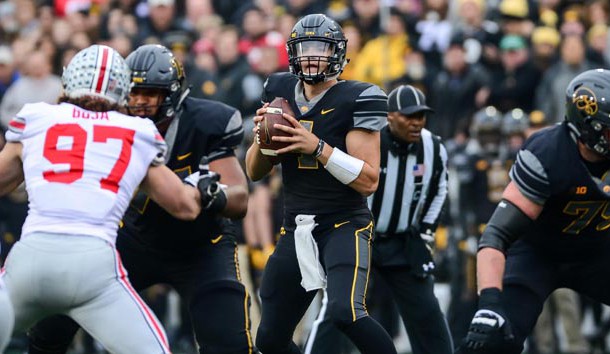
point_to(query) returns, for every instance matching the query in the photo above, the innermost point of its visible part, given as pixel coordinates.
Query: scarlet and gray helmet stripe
(97, 71)
(100, 79)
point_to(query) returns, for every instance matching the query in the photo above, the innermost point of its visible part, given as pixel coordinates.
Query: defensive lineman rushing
(196, 258)
(82, 161)
(332, 162)
(551, 228)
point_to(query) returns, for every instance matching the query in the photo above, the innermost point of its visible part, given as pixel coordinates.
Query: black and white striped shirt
(412, 184)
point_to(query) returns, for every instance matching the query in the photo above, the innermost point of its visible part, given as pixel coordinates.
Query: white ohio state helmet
(98, 71)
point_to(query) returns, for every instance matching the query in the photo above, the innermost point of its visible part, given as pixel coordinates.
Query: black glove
(418, 253)
(213, 197)
(427, 234)
(490, 331)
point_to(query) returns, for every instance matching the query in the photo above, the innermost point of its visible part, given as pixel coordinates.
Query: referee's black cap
(407, 100)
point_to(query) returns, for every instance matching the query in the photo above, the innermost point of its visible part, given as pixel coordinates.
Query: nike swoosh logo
(182, 157)
(325, 111)
(216, 240)
(338, 225)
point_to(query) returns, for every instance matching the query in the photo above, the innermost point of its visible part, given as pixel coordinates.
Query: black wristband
(318, 151)
(219, 203)
(490, 298)
(425, 227)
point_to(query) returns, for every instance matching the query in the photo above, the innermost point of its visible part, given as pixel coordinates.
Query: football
(273, 116)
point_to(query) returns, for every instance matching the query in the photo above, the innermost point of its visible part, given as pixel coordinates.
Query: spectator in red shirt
(257, 34)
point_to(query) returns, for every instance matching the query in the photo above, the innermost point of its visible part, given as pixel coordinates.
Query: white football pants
(82, 277)
(7, 317)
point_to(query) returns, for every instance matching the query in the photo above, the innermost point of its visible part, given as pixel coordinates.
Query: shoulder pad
(207, 114)
(278, 85)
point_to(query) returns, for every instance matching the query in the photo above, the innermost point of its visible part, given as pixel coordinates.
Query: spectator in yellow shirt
(382, 59)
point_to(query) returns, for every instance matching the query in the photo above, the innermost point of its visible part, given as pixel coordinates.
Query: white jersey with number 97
(81, 167)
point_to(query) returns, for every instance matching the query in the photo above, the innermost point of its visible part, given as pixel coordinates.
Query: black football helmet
(312, 35)
(514, 122)
(588, 109)
(154, 66)
(486, 128)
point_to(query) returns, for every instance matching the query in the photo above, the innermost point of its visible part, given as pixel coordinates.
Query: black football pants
(531, 276)
(344, 245)
(419, 309)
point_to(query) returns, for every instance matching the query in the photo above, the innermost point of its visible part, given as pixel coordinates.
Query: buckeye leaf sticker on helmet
(97, 71)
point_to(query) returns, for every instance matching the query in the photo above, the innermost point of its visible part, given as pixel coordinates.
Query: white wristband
(192, 179)
(343, 167)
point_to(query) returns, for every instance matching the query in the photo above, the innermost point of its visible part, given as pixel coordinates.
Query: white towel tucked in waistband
(312, 273)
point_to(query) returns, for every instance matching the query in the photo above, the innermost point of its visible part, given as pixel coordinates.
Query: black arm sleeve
(505, 226)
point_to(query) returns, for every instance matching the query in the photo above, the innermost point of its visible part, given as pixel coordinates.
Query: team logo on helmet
(317, 39)
(585, 101)
(155, 67)
(178, 67)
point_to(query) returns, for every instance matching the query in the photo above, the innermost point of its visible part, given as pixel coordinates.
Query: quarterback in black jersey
(551, 230)
(331, 164)
(198, 259)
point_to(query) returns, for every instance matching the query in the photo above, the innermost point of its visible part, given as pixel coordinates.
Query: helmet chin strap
(183, 97)
(163, 123)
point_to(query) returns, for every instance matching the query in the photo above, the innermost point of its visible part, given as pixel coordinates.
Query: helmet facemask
(154, 111)
(591, 125)
(316, 60)
(486, 128)
(595, 134)
(155, 68)
(316, 49)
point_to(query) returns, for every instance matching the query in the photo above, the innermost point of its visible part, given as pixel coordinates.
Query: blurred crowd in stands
(491, 69)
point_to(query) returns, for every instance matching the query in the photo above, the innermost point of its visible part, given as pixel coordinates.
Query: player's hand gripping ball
(266, 131)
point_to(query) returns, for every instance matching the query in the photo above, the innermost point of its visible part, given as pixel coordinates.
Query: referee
(406, 206)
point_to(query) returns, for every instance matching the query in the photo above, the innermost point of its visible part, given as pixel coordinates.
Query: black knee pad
(217, 287)
(265, 340)
(272, 340)
(341, 313)
(219, 319)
